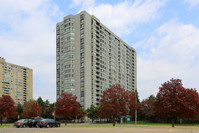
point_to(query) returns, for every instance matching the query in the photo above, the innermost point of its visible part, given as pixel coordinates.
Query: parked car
(48, 123)
(33, 121)
(22, 123)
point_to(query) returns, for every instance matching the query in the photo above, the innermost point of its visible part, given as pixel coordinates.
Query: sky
(165, 34)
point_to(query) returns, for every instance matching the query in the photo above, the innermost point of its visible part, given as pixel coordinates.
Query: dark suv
(33, 121)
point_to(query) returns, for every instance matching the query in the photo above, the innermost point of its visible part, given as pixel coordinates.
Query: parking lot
(97, 130)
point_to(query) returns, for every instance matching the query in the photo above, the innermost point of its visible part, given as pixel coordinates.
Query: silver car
(21, 123)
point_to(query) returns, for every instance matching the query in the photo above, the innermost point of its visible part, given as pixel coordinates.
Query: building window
(81, 16)
(82, 26)
(82, 93)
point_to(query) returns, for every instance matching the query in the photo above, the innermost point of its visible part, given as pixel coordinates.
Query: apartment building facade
(16, 81)
(90, 58)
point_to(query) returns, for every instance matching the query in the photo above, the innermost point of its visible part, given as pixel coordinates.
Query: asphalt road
(97, 130)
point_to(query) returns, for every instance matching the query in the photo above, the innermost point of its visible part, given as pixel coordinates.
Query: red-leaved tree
(170, 100)
(116, 101)
(132, 104)
(67, 106)
(191, 104)
(7, 107)
(31, 109)
(147, 107)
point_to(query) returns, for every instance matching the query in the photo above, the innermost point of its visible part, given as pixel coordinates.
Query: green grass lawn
(139, 123)
(70, 123)
(7, 125)
(130, 125)
(158, 124)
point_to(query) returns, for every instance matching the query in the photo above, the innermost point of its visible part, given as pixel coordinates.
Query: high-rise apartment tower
(16, 81)
(90, 58)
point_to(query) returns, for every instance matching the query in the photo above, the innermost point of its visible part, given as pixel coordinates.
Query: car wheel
(47, 126)
(23, 126)
(58, 125)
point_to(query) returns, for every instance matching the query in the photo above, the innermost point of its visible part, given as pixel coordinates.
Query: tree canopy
(31, 109)
(191, 103)
(147, 107)
(67, 106)
(19, 108)
(41, 102)
(116, 101)
(92, 112)
(7, 107)
(173, 101)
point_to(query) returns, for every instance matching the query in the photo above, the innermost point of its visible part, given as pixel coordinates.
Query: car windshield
(51, 120)
(21, 120)
(26, 120)
(39, 118)
(44, 120)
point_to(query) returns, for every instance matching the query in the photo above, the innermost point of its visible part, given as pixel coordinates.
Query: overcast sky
(165, 34)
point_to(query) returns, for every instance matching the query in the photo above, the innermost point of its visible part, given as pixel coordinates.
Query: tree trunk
(192, 121)
(113, 120)
(172, 122)
(65, 122)
(1, 121)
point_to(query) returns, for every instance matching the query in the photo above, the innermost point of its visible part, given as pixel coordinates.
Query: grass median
(159, 124)
(6, 125)
(140, 124)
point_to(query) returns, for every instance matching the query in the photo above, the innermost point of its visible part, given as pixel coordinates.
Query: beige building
(90, 58)
(16, 81)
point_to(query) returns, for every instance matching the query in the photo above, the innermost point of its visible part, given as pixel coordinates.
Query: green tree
(46, 103)
(48, 110)
(153, 98)
(19, 109)
(93, 112)
(137, 96)
(41, 102)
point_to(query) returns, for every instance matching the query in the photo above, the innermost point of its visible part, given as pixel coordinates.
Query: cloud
(28, 39)
(172, 52)
(124, 17)
(83, 3)
(192, 2)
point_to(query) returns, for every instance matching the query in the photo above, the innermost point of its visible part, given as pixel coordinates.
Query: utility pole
(54, 111)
